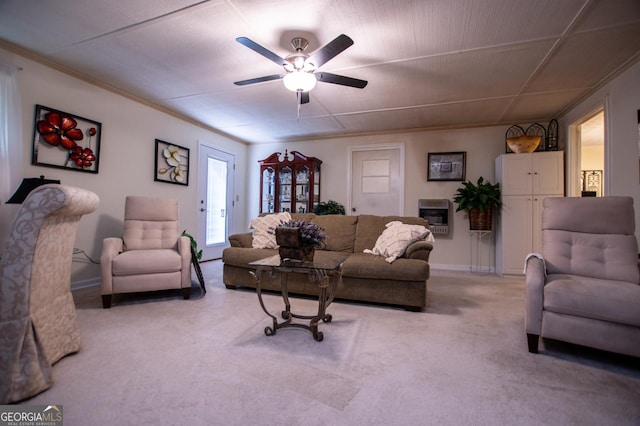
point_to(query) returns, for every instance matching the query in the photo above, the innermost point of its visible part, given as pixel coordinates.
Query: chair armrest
(534, 295)
(418, 250)
(110, 248)
(184, 248)
(241, 240)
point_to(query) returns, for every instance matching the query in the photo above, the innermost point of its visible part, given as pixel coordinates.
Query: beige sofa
(366, 277)
(584, 286)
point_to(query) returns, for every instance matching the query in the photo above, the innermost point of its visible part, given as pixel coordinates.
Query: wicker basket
(480, 221)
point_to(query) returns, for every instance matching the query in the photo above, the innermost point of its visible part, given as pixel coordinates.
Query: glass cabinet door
(302, 189)
(268, 191)
(286, 180)
(316, 187)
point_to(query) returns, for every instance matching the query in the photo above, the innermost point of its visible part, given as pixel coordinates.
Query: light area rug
(156, 359)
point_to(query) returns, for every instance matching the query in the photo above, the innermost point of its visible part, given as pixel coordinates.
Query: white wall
(129, 130)
(621, 98)
(482, 146)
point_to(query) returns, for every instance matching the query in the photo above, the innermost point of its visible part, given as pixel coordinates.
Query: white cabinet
(525, 180)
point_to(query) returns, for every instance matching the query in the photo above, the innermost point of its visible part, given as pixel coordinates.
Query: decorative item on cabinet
(552, 136)
(533, 139)
(289, 183)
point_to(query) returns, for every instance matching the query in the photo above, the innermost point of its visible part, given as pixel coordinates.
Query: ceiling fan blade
(330, 51)
(341, 79)
(261, 50)
(259, 79)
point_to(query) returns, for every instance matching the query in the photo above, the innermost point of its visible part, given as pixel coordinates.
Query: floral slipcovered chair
(37, 313)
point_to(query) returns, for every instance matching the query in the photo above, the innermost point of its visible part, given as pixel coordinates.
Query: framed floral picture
(172, 163)
(65, 141)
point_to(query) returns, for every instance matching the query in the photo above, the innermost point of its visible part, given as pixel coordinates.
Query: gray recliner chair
(584, 288)
(151, 255)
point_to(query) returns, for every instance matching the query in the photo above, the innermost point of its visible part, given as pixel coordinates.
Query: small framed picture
(446, 166)
(65, 141)
(172, 163)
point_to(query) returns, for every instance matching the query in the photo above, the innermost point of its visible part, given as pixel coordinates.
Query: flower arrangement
(311, 235)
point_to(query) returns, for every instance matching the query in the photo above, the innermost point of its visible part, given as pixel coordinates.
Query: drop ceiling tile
(529, 108)
(52, 25)
(584, 59)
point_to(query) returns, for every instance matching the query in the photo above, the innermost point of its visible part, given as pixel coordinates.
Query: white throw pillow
(264, 235)
(397, 237)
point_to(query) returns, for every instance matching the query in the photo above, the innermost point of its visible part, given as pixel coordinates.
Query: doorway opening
(588, 171)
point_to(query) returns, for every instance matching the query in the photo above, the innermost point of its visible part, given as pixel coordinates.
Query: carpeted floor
(161, 360)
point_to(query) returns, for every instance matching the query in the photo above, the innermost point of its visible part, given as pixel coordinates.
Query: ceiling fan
(301, 73)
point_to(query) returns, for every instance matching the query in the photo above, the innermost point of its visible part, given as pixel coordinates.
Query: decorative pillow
(397, 237)
(263, 227)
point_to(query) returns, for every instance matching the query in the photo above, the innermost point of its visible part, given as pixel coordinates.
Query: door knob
(353, 209)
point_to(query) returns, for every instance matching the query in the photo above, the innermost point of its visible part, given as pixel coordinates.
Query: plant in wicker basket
(298, 239)
(479, 199)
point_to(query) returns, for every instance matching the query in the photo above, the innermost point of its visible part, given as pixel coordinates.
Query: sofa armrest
(534, 295)
(418, 250)
(241, 240)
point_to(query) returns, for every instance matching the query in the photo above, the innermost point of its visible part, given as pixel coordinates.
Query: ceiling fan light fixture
(299, 81)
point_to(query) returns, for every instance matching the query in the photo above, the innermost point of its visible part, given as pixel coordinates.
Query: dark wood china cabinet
(289, 183)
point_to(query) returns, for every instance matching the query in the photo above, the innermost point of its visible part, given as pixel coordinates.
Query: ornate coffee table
(325, 270)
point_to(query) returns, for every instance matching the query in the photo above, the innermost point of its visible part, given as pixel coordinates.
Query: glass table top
(321, 260)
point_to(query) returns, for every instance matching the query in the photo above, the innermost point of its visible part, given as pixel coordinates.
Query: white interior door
(215, 200)
(377, 180)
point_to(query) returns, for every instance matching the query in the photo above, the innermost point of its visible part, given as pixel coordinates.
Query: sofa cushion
(263, 229)
(240, 256)
(340, 230)
(369, 228)
(394, 240)
(363, 265)
(606, 300)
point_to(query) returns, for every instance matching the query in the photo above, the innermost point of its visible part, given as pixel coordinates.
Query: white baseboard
(77, 285)
(462, 268)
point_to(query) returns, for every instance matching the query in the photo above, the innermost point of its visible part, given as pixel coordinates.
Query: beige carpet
(161, 360)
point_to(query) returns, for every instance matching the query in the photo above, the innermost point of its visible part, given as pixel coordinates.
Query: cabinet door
(302, 190)
(516, 174)
(517, 232)
(285, 192)
(548, 172)
(537, 221)
(267, 190)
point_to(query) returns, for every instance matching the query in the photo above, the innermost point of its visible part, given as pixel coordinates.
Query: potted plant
(329, 207)
(194, 245)
(478, 199)
(297, 239)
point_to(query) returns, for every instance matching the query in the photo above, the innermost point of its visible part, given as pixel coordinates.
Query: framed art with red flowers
(65, 141)
(172, 163)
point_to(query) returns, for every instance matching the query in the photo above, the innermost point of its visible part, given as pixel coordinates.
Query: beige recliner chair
(37, 313)
(151, 255)
(585, 288)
